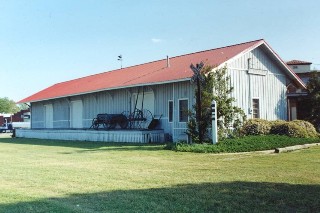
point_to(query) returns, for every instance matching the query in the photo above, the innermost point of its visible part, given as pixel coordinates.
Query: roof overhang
(232, 53)
(109, 89)
(292, 75)
(289, 71)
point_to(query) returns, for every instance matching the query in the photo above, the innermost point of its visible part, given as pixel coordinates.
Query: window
(295, 67)
(255, 108)
(170, 111)
(183, 110)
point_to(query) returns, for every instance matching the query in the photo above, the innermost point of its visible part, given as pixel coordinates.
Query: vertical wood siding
(269, 88)
(183, 90)
(117, 101)
(61, 114)
(175, 92)
(37, 112)
(162, 95)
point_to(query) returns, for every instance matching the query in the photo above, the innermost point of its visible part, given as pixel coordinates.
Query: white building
(258, 75)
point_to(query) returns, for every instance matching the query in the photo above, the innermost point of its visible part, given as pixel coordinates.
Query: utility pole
(198, 79)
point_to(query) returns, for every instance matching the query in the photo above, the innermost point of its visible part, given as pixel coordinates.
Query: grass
(67, 176)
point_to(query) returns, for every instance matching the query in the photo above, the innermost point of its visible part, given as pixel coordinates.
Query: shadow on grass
(85, 145)
(206, 197)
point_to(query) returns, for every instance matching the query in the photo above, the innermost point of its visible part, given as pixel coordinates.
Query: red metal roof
(149, 73)
(298, 62)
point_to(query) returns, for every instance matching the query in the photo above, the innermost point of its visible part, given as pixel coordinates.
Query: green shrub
(290, 129)
(311, 131)
(244, 144)
(256, 127)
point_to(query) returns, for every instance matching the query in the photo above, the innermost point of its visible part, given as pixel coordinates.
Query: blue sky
(46, 42)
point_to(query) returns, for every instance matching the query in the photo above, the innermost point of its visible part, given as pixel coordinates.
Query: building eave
(286, 67)
(109, 89)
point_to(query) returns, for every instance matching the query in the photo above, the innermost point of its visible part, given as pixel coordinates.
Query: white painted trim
(180, 128)
(240, 54)
(286, 66)
(246, 70)
(238, 69)
(181, 99)
(252, 71)
(262, 42)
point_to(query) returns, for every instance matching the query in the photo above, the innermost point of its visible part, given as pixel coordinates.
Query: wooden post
(198, 79)
(199, 109)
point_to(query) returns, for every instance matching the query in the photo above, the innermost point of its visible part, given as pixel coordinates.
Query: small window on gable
(255, 108)
(170, 111)
(183, 110)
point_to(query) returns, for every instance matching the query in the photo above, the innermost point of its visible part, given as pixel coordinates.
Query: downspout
(69, 106)
(250, 95)
(30, 107)
(288, 109)
(173, 112)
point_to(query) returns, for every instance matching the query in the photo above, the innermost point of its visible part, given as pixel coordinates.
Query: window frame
(179, 111)
(172, 115)
(253, 108)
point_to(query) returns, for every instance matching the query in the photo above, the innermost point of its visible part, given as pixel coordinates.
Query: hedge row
(244, 144)
(295, 129)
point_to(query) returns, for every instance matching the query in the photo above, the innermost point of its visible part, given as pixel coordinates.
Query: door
(48, 116)
(293, 113)
(76, 114)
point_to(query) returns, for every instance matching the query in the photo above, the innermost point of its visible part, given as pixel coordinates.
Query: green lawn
(60, 176)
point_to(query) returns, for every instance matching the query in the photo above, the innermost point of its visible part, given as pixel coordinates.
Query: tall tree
(8, 106)
(313, 87)
(230, 117)
(216, 87)
(23, 106)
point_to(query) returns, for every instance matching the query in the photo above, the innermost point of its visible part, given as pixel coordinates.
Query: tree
(8, 106)
(23, 106)
(313, 87)
(215, 87)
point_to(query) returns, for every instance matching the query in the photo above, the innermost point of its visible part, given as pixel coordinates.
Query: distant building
(301, 68)
(21, 116)
(297, 95)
